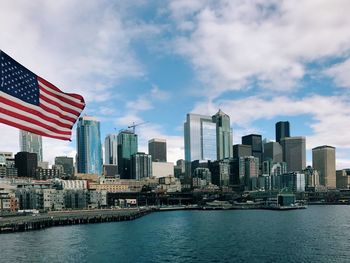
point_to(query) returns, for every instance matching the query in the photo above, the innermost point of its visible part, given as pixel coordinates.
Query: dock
(50, 219)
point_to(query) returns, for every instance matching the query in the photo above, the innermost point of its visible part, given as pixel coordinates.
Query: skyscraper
(241, 150)
(111, 149)
(294, 152)
(255, 141)
(26, 164)
(223, 135)
(89, 152)
(282, 130)
(323, 160)
(67, 164)
(127, 146)
(141, 166)
(200, 138)
(273, 151)
(157, 148)
(32, 143)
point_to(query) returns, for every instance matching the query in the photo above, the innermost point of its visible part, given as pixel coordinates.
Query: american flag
(30, 103)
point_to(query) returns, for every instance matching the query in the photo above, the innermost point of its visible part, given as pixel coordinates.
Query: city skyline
(256, 80)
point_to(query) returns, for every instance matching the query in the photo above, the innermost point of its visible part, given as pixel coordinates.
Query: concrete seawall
(41, 221)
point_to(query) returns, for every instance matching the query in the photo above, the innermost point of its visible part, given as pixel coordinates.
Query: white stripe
(27, 114)
(49, 105)
(62, 103)
(37, 108)
(61, 94)
(32, 126)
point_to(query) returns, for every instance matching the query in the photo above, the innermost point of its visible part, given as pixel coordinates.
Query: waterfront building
(273, 151)
(127, 146)
(241, 150)
(271, 168)
(32, 143)
(343, 179)
(157, 149)
(89, 152)
(248, 172)
(323, 160)
(47, 173)
(111, 149)
(26, 164)
(220, 172)
(282, 130)
(294, 153)
(293, 181)
(67, 163)
(141, 165)
(201, 177)
(162, 169)
(179, 169)
(312, 177)
(224, 136)
(255, 141)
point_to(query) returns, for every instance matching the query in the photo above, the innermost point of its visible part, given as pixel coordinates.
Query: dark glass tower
(157, 148)
(255, 141)
(282, 130)
(127, 146)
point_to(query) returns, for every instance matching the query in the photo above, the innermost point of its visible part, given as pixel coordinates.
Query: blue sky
(154, 61)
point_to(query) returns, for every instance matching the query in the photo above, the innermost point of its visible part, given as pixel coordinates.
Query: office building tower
(111, 149)
(282, 130)
(220, 172)
(343, 179)
(67, 164)
(157, 148)
(323, 160)
(32, 143)
(241, 150)
(89, 152)
(26, 164)
(294, 152)
(255, 141)
(273, 151)
(223, 135)
(248, 172)
(312, 177)
(141, 166)
(127, 146)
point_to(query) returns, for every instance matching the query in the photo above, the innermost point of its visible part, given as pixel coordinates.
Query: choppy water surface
(317, 234)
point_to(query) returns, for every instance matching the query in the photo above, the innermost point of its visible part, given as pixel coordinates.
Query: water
(317, 234)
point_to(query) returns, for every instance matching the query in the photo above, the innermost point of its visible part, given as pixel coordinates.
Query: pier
(45, 220)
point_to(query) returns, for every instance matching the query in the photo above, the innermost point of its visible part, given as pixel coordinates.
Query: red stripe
(68, 101)
(38, 123)
(50, 101)
(34, 112)
(57, 113)
(77, 96)
(25, 128)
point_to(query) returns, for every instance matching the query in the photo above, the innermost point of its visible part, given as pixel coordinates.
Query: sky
(155, 61)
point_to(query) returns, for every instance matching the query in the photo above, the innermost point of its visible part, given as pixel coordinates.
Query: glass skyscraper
(89, 152)
(32, 143)
(127, 146)
(223, 135)
(111, 149)
(282, 130)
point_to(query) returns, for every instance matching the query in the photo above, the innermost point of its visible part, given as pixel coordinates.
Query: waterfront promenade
(44, 220)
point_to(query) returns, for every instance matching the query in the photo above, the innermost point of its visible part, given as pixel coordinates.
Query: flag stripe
(48, 84)
(17, 103)
(47, 103)
(60, 101)
(61, 94)
(30, 127)
(54, 102)
(19, 113)
(35, 122)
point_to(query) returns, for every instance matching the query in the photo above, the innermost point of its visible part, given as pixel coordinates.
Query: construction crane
(134, 125)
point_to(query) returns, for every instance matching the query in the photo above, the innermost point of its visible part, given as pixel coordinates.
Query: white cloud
(340, 74)
(158, 94)
(235, 43)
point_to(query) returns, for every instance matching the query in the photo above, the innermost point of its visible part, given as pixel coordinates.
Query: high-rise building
(157, 148)
(141, 166)
(26, 164)
(248, 172)
(32, 143)
(323, 160)
(67, 164)
(127, 146)
(89, 152)
(241, 150)
(255, 141)
(294, 153)
(111, 149)
(282, 130)
(273, 151)
(223, 135)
